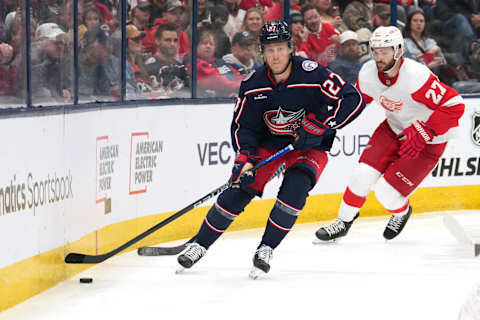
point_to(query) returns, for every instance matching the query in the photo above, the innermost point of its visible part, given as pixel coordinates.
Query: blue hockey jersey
(267, 114)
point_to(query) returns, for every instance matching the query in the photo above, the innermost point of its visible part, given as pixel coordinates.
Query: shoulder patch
(249, 76)
(309, 65)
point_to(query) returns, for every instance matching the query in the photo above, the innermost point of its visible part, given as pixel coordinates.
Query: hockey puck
(86, 280)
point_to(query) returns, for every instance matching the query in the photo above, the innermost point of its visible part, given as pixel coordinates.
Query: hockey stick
(171, 251)
(92, 259)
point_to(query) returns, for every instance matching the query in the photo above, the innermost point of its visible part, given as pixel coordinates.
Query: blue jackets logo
(283, 122)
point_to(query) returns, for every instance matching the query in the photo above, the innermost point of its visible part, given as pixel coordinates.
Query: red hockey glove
(310, 134)
(416, 137)
(243, 162)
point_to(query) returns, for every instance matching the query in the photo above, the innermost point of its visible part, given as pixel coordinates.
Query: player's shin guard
(291, 200)
(227, 207)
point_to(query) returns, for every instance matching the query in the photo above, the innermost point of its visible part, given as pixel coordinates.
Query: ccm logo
(403, 178)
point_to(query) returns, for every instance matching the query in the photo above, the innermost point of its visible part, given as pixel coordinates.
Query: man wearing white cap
(347, 63)
(51, 78)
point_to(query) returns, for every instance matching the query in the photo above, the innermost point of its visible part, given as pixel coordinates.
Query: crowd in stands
(442, 34)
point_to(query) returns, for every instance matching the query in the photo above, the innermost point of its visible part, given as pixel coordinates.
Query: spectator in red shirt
(275, 13)
(215, 78)
(262, 4)
(298, 29)
(322, 42)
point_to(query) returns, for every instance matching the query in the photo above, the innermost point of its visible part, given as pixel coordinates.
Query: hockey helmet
(274, 32)
(385, 37)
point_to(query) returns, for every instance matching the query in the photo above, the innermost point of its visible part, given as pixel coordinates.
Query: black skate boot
(395, 225)
(261, 260)
(336, 229)
(191, 255)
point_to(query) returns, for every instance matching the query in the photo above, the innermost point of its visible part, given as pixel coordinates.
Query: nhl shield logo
(476, 128)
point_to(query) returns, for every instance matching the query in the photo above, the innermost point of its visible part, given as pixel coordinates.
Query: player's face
(383, 58)
(277, 56)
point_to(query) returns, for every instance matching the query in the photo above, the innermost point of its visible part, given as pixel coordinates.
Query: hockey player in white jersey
(421, 114)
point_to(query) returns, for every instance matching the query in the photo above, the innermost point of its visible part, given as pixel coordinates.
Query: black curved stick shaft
(92, 259)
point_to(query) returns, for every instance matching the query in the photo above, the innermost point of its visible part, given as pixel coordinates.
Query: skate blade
(256, 273)
(317, 241)
(180, 270)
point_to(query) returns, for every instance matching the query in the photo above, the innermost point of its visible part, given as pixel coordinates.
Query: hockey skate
(261, 260)
(335, 230)
(190, 256)
(395, 224)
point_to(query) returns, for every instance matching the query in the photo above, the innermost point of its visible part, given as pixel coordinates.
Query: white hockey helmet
(384, 37)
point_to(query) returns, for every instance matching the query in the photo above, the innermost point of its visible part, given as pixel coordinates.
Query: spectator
(168, 76)
(264, 5)
(158, 8)
(243, 53)
(364, 43)
(276, 12)
(418, 45)
(402, 6)
(253, 23)
(381, 15)
(16, 38)
(222, 41)
(91, 17)
(235, 17)
(8, 74)
(322, 41)
(99, 77)
(215, 78)
(468, 76)
(298, 29)
(330, 14)
(461, 20)
(358, 14)
(140, 16)
(347, 64)
(51, 79)
(336, 19)
(173, 16)
(137, 78)
(203, 15)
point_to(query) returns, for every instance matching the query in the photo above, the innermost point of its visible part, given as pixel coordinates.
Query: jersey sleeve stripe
(237, 118)
(258, 90)
(453, 102)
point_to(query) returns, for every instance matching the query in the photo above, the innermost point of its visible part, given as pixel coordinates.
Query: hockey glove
(241, 177)
(415, 139)
(310, 134)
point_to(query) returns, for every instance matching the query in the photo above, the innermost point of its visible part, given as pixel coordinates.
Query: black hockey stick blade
(92, 259)
(163, 251)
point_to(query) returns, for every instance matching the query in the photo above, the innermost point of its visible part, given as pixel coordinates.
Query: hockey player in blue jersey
(288, 100)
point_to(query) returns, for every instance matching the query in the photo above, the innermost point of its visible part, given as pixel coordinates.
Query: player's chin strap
(397, 57)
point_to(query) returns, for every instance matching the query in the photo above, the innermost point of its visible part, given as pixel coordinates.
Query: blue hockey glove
(243, 162)
(310, 134)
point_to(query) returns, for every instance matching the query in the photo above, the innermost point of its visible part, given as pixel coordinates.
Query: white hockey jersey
(415, 93)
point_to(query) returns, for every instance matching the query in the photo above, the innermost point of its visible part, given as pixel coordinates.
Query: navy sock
(228, 206)
(291, 200)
